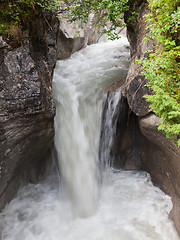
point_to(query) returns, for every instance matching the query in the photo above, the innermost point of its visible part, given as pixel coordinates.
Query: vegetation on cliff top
(162, 67)
(108, 12)
(15, 14)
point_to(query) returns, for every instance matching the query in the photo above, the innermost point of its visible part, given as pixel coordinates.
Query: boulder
(161, 157)
(72, 38)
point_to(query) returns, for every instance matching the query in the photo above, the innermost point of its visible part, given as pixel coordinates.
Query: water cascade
(78, 92)
(122, 205)
(109, 123)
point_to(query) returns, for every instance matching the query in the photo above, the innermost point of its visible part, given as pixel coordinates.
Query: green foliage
(15, 14)
(107, 12)
(162, 67)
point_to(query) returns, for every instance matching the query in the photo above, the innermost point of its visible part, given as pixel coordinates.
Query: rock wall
(160, 156)
(27, 109)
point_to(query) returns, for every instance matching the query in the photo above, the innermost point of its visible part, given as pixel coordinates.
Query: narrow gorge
(79, 145)
(92, 194)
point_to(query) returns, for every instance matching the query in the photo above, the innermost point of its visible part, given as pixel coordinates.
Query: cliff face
(27, 109)
(160, 156)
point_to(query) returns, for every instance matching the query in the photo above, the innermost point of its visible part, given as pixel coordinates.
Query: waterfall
(78, 86)
(123, 205)
(109, 124)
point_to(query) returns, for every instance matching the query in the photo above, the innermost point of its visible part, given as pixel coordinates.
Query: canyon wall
(27, 108)
(159, 156)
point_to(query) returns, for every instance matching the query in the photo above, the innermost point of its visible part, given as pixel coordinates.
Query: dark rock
(135, 6)
(135, 95)
(126, 146)
(124, 152)
(26, 106)
(135, 87)
(25, 150)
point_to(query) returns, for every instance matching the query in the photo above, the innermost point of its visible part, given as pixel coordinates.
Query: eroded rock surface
(161, 157)
(26, 106)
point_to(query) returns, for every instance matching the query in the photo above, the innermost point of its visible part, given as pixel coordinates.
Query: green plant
(15, 14)
(162, 66)
(107, 12)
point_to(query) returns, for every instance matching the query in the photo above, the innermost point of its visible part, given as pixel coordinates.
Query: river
(87, 201)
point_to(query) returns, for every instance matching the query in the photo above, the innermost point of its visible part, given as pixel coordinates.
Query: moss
(16, 15)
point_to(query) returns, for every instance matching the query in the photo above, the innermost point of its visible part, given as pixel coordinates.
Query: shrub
(162, 67)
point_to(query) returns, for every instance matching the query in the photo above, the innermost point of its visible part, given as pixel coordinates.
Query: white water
(109, 124)
(130, 208)
(126, 207)
(79, 85)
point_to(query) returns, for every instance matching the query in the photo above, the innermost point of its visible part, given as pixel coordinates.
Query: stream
(88, 200)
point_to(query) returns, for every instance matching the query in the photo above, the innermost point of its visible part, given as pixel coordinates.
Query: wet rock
(26, 106)
(160, 156)
(135, 95)
(124, 148)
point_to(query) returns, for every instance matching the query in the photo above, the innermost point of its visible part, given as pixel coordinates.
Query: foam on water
(130, 208)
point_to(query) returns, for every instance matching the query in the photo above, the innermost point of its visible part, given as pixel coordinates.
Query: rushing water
(79, 84)
(125, 205)
(109, 125)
